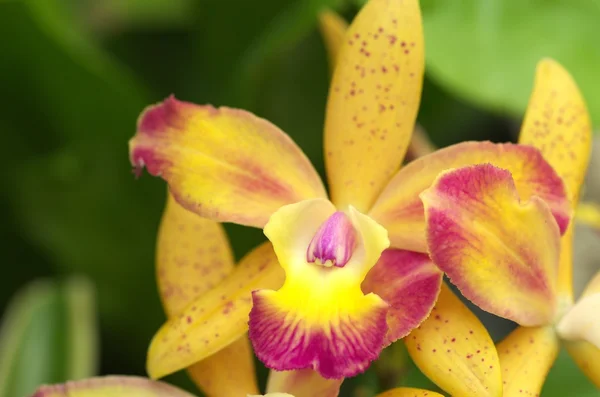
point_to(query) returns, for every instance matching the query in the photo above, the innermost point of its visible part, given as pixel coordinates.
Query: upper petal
(112, 386)
(526, 356)
(557, 122)
(193, 255)
(400, 210)
(373, 100)
(216, 319)
(319, 318)
(410, 283)
(501, 252)
(455, 351)
(224, 164)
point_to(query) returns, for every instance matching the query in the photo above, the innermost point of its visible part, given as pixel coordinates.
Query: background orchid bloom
(503, 248)
(231, 166)
(124, 386)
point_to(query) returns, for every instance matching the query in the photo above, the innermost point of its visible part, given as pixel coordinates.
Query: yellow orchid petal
(112, 386)
(224, 164)
(215, 319)
(303, 383)
(588, 214)
(320, 318)
(501, 252)
(373, 100)
(587, 358)
(557, 122)
(400, 210)
(271, 395)
(333, 28)
(455, 351)
(408, 392)
(526, 356)
(193, 255)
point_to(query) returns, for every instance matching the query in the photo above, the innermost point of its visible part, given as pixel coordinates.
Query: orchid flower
(502, 247)
(356, 275)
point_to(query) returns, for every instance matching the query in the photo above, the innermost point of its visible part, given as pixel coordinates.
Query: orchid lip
(334, 242)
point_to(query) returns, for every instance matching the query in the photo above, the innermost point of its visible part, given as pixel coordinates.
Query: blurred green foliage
(76, 74)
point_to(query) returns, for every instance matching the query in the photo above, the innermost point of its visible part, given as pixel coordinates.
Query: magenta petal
(410, 283)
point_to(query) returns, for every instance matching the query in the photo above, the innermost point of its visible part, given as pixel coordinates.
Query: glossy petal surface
(557, 122)
(333, 29)
(410, 283)
(193, 256)
(501, 252)
(455, 351)
(400, 210)
(112, 386)
(526, 356)
(215, 319)
(303, 383)
(373, 100)
(320, 318)
(408, 392)
(224, 164)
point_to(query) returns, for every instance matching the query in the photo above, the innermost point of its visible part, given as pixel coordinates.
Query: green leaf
(486, 51)
(566, 379)
(48, 335)
(72, 109)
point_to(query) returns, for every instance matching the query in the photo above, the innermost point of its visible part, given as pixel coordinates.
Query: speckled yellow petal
(303, 383)
(500, 251)
(408, 392)
(333, 28)
(526, 356)
(587, 357)
(224, 164)
(112, 386)
(215, 319)
(455, 351)
(557, 122)
(373, 100)
(193, 255)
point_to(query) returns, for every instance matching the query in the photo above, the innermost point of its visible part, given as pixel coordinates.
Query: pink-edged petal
(526, 355)
(501, 252)
(410, 283)
(224, 164)
(303, 383)
(111, 386)
(373, 100)
(320, 318)
(454, 350)
(193, 256)
(400, 210)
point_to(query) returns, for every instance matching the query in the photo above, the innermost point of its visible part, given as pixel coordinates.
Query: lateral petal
(224, 164)
(408, 392)
(587, 358)
(455, 351)
(410, 283)
(333, 28)
(193, 255)
(400, 210)
(526, 356)
(501, 252)
(215, 319)
(373, 100)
